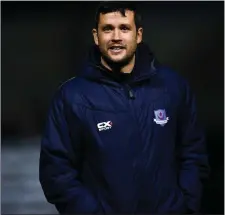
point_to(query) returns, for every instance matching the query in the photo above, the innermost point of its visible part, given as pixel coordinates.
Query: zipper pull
(131, 94)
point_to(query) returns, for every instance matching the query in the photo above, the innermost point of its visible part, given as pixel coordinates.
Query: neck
(124, 69)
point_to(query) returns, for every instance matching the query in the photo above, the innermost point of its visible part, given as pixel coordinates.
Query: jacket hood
(145, 66)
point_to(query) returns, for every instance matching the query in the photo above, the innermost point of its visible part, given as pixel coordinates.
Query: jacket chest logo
(104, 125)
(160, 117)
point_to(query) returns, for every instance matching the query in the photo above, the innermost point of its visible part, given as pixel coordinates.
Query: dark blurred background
(44, 43)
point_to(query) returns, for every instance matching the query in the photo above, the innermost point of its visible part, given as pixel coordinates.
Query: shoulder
(169, 75)
(172, 77)
(71, 90)
(176, 84)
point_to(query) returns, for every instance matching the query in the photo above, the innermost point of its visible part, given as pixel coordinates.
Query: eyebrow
(106, 25)
(127, 25)
(111, 26)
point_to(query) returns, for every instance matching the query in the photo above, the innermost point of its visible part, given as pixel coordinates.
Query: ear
(139, 35)
(95, 36)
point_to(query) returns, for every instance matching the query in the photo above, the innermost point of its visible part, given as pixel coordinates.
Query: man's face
(117, 36)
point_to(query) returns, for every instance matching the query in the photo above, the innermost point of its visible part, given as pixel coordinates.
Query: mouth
(116, 49)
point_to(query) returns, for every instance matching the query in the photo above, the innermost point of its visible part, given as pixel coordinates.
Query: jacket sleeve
(194, 168)
(60, 162)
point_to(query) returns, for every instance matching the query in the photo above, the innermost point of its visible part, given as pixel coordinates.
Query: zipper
(130, 97)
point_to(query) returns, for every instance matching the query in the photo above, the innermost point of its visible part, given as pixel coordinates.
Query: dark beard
(116, 66)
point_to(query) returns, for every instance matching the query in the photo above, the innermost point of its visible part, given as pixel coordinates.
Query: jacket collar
(145, 67)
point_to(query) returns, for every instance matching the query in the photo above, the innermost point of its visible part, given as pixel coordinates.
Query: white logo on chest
(104, 125)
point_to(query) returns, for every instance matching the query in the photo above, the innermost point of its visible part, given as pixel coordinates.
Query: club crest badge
(160, 117)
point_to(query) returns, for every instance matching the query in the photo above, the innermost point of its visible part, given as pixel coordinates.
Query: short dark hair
(114, 6)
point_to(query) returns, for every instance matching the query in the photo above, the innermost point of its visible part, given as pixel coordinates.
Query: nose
(116, 35)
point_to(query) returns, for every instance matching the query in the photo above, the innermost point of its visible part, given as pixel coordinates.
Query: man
(123, 137)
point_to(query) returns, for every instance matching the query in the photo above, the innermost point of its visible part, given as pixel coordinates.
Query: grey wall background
(44, 44)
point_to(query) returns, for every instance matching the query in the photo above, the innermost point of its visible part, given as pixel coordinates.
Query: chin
(117, 60)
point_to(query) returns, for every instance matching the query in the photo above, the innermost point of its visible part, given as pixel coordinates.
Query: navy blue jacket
(118, 144)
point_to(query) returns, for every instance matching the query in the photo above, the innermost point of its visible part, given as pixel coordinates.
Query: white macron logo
(104, 125)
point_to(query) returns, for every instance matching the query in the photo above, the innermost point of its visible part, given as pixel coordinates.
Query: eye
(124, 28)
(107, 28)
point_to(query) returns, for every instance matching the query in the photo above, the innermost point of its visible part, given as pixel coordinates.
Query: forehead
(114, 18)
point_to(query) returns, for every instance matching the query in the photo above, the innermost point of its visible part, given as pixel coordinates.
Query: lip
(116, 51)
(120, 47)
(116, 46)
